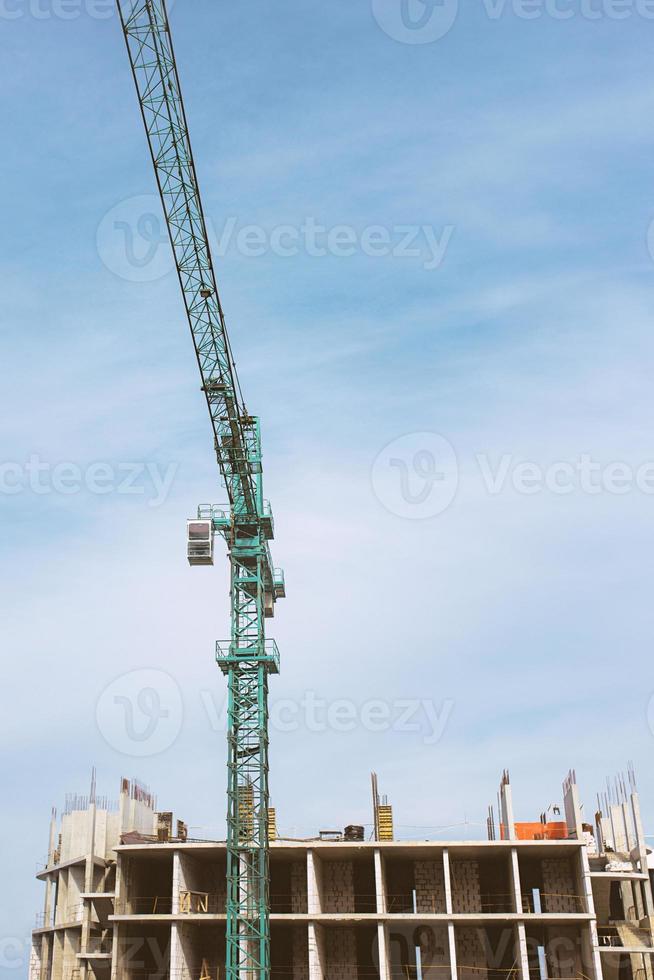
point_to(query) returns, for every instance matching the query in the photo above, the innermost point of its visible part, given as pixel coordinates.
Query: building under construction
(128, 896)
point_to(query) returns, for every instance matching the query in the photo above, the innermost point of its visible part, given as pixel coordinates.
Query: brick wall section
(35, 961)
(430, 887)
(299, 887)
(559, 886)
(300, 953)
(220, 895)
(434, 950)
(470, 953)
(338, 887)
(341, 953)
(466, 894)
(563, 950)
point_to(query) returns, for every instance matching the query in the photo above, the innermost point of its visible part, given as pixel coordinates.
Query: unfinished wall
(199, 884)
(337, 887)
(418, 950)
(299, 900)
(288, 885)
(559, 890)
(466, 891)
(399, 878)
(289, 950)
(197, 951)
(429, 887)
(34, 968)
(143, 950)
(341, 953)
(300, 953)
(146, 883)
(470, 953)
(563, 950)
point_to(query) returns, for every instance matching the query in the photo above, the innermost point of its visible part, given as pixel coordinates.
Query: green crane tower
(246, 525)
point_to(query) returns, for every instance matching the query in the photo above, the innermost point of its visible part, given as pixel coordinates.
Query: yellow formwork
(385, 821)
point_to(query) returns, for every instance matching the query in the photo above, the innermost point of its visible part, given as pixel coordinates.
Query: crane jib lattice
(248, 657)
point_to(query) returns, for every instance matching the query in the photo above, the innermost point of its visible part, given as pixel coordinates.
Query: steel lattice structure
(248, 658)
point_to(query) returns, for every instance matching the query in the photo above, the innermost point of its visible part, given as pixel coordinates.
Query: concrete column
(506, 804)
(314, 884)
(642, 853)
(45, 957)
(521, 935)
(47, 908)
(521, 950)
(451, 939)
(613, 841)
(382, 942)
(380, 883)
(591, 950)
(177, 881)
(52, 844)
(115, 951)
(572, 807)
(447, 881)
(89, 875)
(516, 887)
(317, 952)
(176, 952)
(121, 887)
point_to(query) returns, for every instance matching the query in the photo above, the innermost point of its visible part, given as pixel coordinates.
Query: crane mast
(247, 658)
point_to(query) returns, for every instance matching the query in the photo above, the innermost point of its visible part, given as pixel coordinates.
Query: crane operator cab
(199, 542)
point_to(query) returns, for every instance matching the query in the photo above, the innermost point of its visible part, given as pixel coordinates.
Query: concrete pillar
(47, 908)
(176, 952)
(451, 937)
(451, 940)
(177, 881)
(120, 902)
(521, 935)
(46, 956)
(591, 950)
(314, 883)
(642, 853)
(52, 845)
(115, 950)
(89, 875)
(572, 807)
(317, 952)
(506, 805)
(516, 887)
(521, 950)
(382, 943)
(380, 883)
(447, 881)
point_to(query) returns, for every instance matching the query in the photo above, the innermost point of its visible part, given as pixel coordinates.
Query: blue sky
(515, 622)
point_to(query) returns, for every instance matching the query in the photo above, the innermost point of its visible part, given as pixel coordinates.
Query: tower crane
(246, 524)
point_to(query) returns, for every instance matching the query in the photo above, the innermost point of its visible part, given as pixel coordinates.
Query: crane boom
(248, 657)
(153, 64)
